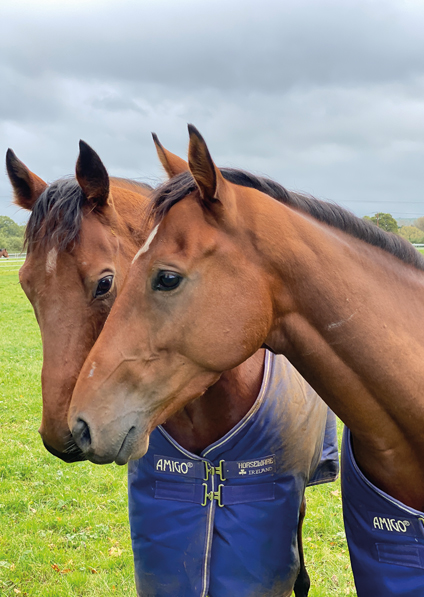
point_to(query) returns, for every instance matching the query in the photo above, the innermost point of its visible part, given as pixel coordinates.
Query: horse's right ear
(214, 190)
(172, 164)
(27, 186)
(92, 176)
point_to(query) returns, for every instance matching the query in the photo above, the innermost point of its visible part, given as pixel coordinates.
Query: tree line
(11, 235)
(414, 232)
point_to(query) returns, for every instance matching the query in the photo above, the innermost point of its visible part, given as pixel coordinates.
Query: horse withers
(81, 237)
(230, 269)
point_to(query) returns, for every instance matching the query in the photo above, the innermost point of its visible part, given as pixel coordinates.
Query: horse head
(171, 332)
(80, 238)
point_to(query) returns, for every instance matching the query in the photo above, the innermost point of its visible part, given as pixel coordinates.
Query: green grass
(64, 528)
(326, 554)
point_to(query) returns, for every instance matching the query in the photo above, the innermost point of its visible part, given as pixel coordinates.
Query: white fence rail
(13, 263)
(13, 256)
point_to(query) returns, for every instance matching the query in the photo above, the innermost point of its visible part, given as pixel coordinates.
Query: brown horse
(81, 237)
(4, 253)
(229, 270)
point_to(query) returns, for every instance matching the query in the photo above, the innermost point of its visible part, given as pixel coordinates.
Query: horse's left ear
(211, 183)
(92, 176)
(172, 164)
(27, 186)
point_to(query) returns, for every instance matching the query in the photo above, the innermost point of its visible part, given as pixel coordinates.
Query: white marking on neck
(332, 326)
(93, 367)
(147, 244)
(51, 261)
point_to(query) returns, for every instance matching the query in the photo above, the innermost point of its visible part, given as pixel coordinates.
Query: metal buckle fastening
(212, 495)
(219, 470)
(215, 470)
(209, 470)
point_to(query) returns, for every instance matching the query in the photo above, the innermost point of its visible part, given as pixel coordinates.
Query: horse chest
(225, 522)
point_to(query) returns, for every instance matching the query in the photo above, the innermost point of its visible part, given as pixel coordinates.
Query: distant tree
(412, 233)
(14, 244)
(419, 223)
(10, 228)
(11, 235)
(383, 221)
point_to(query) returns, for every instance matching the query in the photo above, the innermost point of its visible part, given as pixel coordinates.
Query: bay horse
(4, 253)
(81, 237)
(227, 270)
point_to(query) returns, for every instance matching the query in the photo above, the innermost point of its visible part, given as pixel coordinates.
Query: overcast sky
(324, 96)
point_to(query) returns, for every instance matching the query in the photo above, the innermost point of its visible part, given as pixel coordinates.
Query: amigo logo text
(173, 466)
(390, 524)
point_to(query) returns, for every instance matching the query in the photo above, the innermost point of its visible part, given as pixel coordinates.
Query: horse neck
(346, 301)
(347, 316)
(207, 419)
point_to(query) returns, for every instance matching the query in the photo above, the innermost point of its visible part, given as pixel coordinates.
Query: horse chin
(132, 447)
(73, 453)
(141, 448)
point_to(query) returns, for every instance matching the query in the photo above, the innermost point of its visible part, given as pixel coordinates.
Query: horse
(229, 269)
(4, 253)
(81, 237)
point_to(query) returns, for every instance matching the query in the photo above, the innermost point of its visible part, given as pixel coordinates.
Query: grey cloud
(326, 97)
(27, 98)
(238, 44)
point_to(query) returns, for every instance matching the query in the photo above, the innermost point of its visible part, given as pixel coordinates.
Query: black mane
(57, 214)
(182, 185)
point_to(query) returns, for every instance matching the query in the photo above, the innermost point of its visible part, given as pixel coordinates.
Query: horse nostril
(81, 435)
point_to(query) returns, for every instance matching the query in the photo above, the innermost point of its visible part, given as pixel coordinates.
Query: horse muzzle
(117, 444)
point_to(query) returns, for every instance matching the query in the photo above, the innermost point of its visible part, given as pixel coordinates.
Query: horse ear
(172, 164)
(27, 186)
(207, 176)
(92, 176)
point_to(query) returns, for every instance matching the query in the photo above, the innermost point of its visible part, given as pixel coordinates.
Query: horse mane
(57, 214)
(174, 190)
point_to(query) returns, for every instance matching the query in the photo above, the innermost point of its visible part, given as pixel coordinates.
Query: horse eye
(166, 281)
(104, 285)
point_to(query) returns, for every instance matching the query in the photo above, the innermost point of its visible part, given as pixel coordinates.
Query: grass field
(64, 528)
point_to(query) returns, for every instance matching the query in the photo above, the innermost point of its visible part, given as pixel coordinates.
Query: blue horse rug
(385, 537)
(225, 522)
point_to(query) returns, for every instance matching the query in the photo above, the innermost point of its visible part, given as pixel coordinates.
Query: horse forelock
(56, 217)
(178, 187)
(170, 193)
